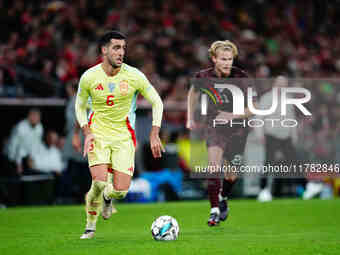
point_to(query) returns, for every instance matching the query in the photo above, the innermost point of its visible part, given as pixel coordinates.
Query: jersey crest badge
(123, 88)
(111, 86)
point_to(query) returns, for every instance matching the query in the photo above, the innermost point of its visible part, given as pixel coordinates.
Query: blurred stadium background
(46, 45)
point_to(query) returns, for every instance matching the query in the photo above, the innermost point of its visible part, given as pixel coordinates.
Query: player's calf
(223, 198)
(93, 203)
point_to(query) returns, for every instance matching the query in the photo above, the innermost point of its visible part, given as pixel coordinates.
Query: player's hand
(156, 146)
(155, 143)
(88, 144)
(76, 142)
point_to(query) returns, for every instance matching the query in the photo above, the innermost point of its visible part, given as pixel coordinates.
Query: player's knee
(97, 187)
(113, 192)
(100, 185)
(119, 194)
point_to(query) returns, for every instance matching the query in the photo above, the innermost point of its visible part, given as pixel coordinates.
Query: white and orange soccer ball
(165, 228)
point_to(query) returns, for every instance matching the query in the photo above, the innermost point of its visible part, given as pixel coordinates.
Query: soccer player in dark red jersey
(225, 145)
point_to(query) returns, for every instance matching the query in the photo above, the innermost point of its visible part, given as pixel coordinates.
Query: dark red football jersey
(221, 99)
(231, 139)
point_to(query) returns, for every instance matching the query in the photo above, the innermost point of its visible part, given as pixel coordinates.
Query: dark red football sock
(214, 186)
(227, 187)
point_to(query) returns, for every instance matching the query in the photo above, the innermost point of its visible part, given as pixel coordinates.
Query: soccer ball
(165, 228)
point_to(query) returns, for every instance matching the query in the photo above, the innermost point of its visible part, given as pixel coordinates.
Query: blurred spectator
(25, 139)
(48, 161)
(48, 157)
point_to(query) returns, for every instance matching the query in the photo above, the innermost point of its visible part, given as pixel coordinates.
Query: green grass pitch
(281, 227)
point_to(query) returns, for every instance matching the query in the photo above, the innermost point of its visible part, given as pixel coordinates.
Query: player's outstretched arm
(150, 94)
(157, 105)
(81, 112)
(191, 102)
(81, 101)
(157, 112)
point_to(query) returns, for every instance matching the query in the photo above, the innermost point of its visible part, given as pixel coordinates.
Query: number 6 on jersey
(109, 100)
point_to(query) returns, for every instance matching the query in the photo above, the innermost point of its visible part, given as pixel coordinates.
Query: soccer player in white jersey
(109, 134)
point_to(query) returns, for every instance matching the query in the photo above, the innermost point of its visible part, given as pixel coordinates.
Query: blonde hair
(224, 45)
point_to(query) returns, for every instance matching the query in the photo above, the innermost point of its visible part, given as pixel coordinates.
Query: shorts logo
(99, 87)
(123, 87)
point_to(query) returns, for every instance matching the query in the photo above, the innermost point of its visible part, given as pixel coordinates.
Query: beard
(113, 64)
